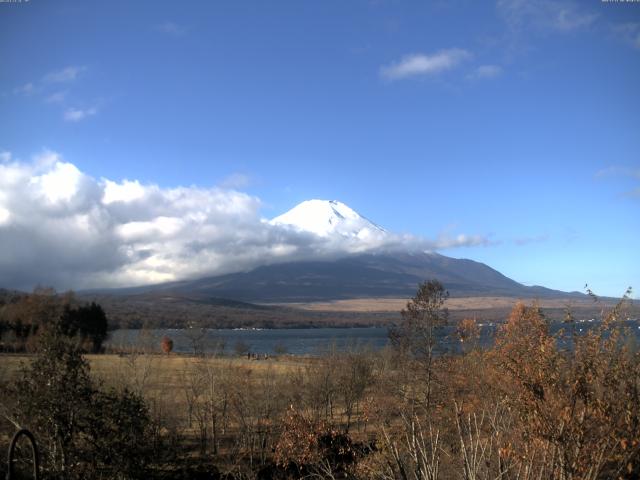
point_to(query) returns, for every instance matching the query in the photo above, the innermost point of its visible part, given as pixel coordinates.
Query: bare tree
(354, 377)
(196, 336)
(416, 335)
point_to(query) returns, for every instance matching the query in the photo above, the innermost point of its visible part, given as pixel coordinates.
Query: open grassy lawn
(163, 371)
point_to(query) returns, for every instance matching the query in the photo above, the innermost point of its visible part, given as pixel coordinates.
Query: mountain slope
(373, 274)
(358, 276)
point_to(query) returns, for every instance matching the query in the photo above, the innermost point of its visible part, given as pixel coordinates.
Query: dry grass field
(163, 373)
(385, 305)
(180, 390)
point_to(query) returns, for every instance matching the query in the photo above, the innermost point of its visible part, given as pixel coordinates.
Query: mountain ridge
(354, 276)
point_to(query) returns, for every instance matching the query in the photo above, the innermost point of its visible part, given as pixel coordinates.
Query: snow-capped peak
(328, 217)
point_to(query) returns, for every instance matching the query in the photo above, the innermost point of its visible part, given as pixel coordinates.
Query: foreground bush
(535, 406)
(83, 431)
(578, 407)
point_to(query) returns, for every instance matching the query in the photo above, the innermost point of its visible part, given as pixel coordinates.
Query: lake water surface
(300, 341)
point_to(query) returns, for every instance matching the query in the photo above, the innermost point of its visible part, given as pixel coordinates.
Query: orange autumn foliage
(577, 397)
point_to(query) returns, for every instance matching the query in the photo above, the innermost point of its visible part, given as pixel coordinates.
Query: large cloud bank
(61, 227)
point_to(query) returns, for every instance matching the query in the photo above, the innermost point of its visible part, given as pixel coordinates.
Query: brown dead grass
(384, 305)
(166, 371)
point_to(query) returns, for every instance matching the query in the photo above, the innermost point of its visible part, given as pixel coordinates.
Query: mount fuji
(369, 272)
(327, 218)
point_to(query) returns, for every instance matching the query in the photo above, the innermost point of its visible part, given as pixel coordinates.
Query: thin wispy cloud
(57, 97)
(448, 239)
(445, 240)
(619, 171)
(66, 75)
(421, 64)
(629, 33)
(54, 88)
(78, 114)
(61, 227)
(171, 28)
(520, 241)
(628, 174)
(25, 89)
(486, 72)
(235, 181)
(567, 19)
(545, 15)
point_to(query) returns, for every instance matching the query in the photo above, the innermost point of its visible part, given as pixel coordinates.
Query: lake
(299, 341)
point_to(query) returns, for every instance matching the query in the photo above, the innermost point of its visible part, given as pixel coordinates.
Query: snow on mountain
(328, 218)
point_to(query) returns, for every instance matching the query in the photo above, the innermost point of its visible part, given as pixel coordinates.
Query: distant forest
(164, 310)
(24, 318)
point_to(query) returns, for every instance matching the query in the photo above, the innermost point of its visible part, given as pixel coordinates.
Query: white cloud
(77, 114)
(159, 227)
(487, 71)
(545, 15)
(420, 64)
(59, 184)
(122, 192)
(445, 240)
(66, 75)
(61, 227)
(4, 215)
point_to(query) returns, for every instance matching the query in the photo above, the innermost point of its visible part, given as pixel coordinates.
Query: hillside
(356, 276)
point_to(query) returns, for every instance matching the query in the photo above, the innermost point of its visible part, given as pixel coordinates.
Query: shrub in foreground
(83, 431)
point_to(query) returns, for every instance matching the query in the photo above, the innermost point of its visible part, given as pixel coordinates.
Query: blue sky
(514, 123)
